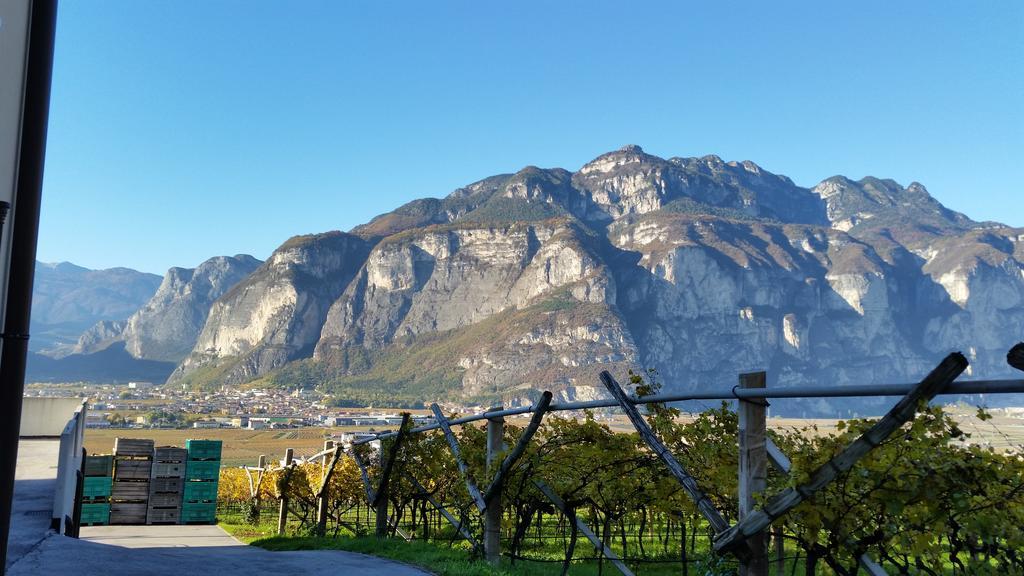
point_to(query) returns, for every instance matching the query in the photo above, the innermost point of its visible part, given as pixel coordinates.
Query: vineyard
(926, 500)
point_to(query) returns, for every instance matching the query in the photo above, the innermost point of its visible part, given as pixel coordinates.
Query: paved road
(177, 550)
(34, 485)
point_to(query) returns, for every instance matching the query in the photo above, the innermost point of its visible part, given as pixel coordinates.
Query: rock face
(166, 327)
(696, 267)
(276, 313)
(68, 299)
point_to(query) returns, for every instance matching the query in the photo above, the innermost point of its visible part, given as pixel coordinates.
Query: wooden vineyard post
(492, 513)
(380, 496)
(380, 511)
(753, 472)
(262, 464)
(736, 538)
(282, 515)
(325, 480)
(453, 445)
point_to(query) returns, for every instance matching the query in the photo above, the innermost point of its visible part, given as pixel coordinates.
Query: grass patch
(440, 559)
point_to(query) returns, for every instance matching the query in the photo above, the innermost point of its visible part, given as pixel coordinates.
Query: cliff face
(166, 327)
(276, 313)
(696, 267)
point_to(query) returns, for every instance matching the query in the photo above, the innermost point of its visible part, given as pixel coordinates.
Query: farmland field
(240, 446)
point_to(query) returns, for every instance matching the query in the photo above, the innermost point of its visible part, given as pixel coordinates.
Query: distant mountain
(697, 267)
(274, 315)
(157, 333)
(68, 299)
(112, 364)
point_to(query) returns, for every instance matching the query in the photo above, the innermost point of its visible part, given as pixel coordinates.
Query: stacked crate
(133, 465)
(201, 475)
(96, 488)
(166, 484)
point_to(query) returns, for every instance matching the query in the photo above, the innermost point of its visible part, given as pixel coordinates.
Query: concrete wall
(47, 416)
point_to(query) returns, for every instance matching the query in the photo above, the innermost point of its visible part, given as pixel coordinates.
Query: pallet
(130, 491)
(133, 448)
(133, 470)
(203, 449)
(166, 485)
(99, 465)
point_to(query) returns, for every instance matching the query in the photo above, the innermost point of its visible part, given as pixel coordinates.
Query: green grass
(442, 560)
(444, 556)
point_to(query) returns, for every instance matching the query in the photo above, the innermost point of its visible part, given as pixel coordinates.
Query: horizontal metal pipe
(812, 391)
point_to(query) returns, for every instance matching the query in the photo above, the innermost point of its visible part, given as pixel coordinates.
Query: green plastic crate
(95, 513)
(203, 470)
(198, 512)
(99, 465)
(200, 491)
(203, 449)
(97, 487)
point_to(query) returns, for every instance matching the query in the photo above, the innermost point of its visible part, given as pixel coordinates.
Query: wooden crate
(163, 515)
(166, 485)
(203, 449)
(165, 499)
(133, 469)
(128, 512)
(99, 465)
(97, 487)
(170, 454)
(203, 470)
(133, 448)
(200, 492)
(129, 491)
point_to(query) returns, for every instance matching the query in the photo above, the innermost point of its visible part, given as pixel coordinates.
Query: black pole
(21, 274)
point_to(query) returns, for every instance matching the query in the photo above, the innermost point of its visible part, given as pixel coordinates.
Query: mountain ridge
(697, 267)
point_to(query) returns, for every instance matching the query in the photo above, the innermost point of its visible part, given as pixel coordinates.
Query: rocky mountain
(157, 335)
(276, 313)
(696, 267)
(68, 299)
(166, 327)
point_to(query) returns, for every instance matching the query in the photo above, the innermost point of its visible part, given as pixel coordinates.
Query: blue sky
(186, 129)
